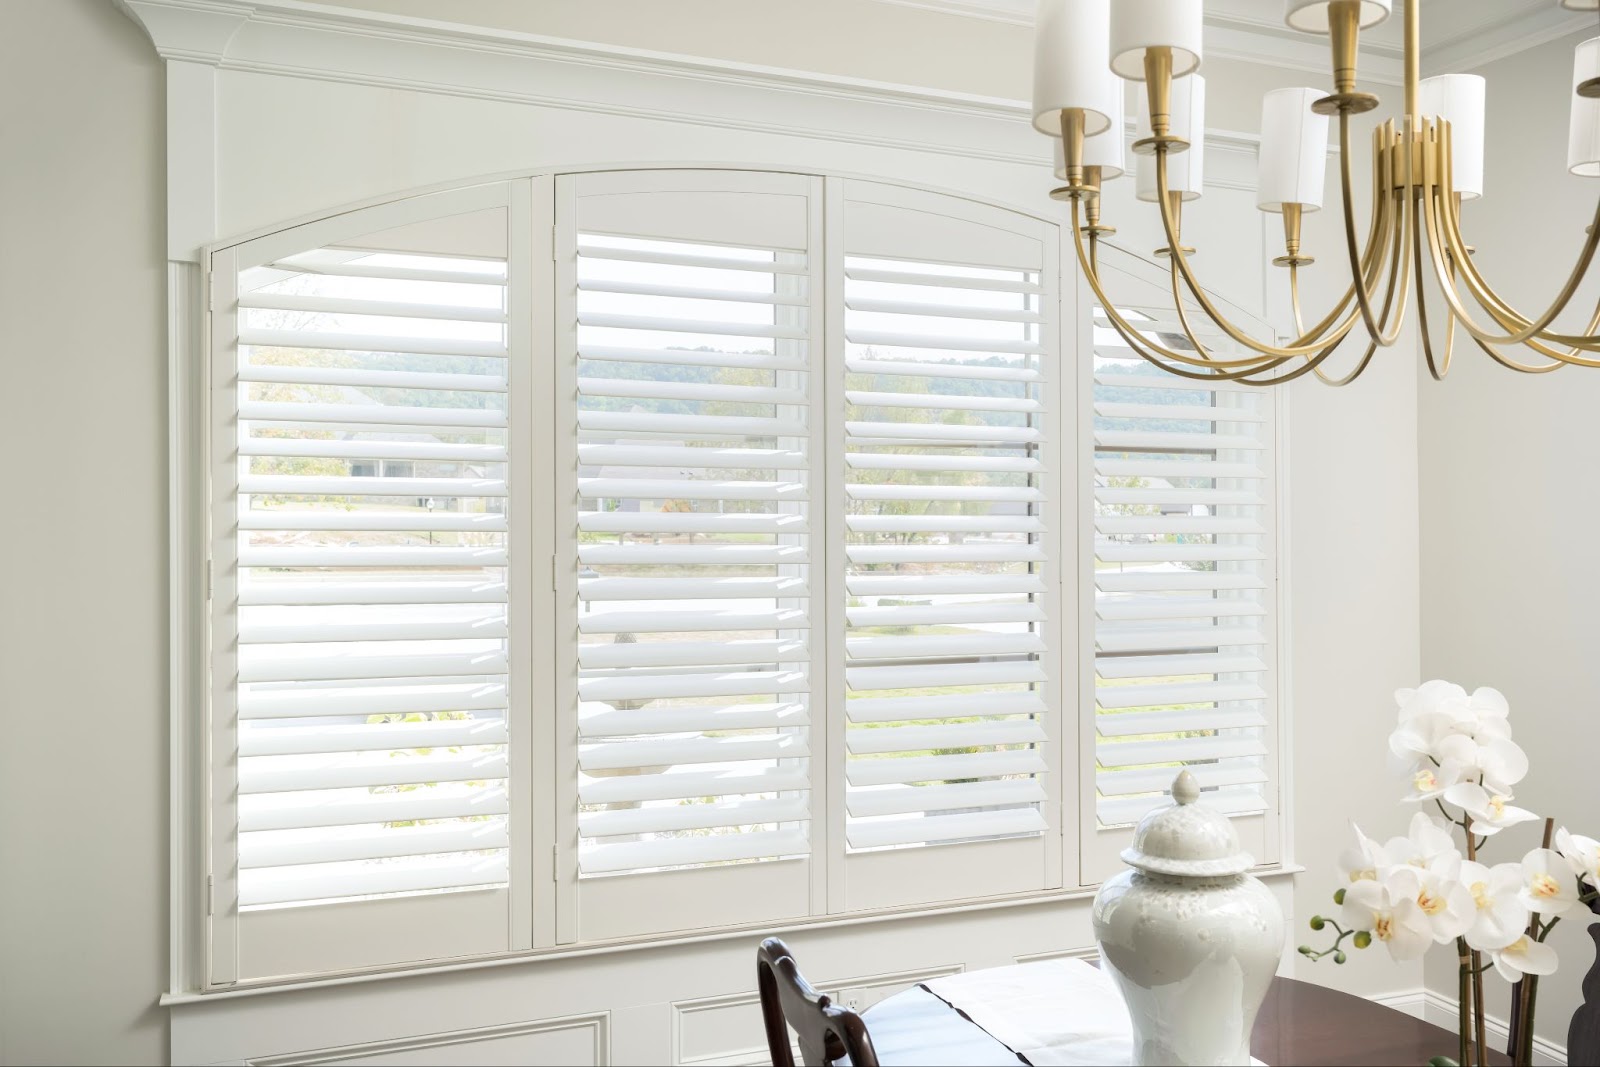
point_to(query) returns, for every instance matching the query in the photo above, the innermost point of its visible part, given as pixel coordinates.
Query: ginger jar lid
(1187, 838)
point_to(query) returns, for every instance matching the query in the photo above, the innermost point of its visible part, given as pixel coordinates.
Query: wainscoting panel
(577, 1040)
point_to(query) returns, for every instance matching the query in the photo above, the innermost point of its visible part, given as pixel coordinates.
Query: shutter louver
(372, 560)
(946, 513)
(1183, 582)
(694, 684)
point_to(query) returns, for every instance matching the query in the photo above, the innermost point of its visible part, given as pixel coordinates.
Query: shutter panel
(365, 535)
(692, 414)
(950, 499)
(1185, 588)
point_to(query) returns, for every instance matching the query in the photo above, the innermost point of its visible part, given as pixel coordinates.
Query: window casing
(805, 466)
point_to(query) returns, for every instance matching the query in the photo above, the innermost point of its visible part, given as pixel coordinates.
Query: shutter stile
(694, 518)
(372, 575)
(1182, 582)
(945, 512)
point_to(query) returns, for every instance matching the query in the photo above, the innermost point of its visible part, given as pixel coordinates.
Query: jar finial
(1185, 789)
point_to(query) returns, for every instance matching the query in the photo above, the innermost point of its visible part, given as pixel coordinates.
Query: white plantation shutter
(691, 408)
(950, 499)
(1185, 588)
(363, 561)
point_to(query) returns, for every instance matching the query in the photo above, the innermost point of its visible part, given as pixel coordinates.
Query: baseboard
(1436, 1008)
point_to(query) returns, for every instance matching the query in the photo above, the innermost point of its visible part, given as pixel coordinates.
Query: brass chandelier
(1423, 167)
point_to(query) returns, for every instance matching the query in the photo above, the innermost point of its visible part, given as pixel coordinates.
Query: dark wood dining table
(1300, 1023)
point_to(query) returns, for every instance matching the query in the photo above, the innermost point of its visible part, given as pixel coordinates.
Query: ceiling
(1456, 34)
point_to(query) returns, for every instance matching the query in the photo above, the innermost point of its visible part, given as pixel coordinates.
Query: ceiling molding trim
(1006, 11)
(1507, 37)
(1244, 41)
(1487, 32)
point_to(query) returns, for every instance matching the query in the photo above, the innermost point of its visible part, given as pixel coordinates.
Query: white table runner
(1055, 1013)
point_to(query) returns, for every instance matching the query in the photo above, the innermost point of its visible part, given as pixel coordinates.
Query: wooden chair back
(826, 1031)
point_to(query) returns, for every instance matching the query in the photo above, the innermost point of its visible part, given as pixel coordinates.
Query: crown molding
(204, 39)
(1498, 33)
(1477, 32)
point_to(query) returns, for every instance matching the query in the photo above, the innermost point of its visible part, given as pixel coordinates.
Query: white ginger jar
(1191, 939)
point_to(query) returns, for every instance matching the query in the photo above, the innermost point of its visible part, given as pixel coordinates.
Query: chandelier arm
(1570, 358)
(1181, 262)
(1294, 299)
(1444, 228)
(1143, 348)
(1489, 301)
(1388, 302)
(1403, 219)
(1437, 369)
(1380, 238)
(1308, 366)
(1360, 366)
(1143, 345)
(1311, 362)
(1376, 250)
(1525, 368)
(1372, 258)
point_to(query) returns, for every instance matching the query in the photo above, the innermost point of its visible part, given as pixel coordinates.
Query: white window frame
(535, 928)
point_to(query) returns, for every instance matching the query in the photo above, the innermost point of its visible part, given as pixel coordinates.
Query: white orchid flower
(1547, 883)
(1424, 736)
(1389, 910)
(1524, 956)
(1427, 781)
(1490, 714)
(1362, 862)
(1582, 853)
(1490, 811)
(1446, 904)
(1502, 763)
(1427, 839)
(1501, 917)
(1429, 697)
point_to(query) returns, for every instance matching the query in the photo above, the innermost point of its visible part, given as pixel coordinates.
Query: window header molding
(201, 39)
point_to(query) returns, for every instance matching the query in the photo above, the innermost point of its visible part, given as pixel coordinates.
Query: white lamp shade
(1185, 170)
(1583, 132)
(1312, 15)
(1459, 100)
(1581, 5)
(1069, 64)
(1140, 24)
(1294, 150)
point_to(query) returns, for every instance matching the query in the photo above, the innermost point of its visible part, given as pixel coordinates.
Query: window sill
(289, 985)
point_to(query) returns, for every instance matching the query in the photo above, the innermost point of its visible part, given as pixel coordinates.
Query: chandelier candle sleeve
(1140, 25)
(1312, 16)
(1459, 100)
(1294, 151)
(1070, 65)
(1186, 170)
(1583, 134)
(1104, 150)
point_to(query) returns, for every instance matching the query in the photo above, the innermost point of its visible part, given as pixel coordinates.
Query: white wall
(84, 951)
(83, 649)
(1510, 500)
